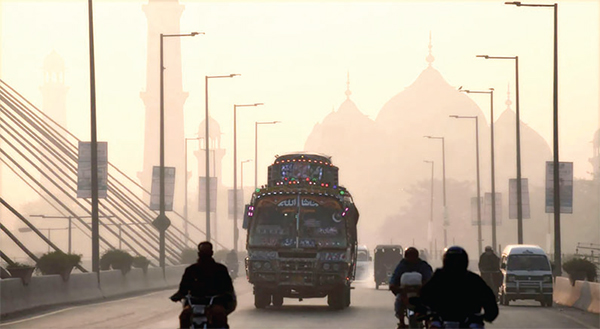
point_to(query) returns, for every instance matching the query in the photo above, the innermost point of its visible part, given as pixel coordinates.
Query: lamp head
(516, 3)
(492, 89)
(483, 56)
(454, 116)
(196, 33)
(256, 104)
(234, 75)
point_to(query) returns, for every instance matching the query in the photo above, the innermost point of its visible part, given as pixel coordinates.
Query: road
(370, 309)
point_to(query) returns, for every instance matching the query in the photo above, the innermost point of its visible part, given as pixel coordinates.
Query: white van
(527, 274)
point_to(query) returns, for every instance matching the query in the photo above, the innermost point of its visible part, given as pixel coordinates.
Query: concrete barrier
(173, 274)
(112, 283)
(595, 302)
(564, 292)
(583, 295)
(82, 287)
(155, 278)
(48, 290)
(135, 280)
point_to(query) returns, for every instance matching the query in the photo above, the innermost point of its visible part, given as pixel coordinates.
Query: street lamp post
(478, 182)
(235, 198)
(518, 131)
(491, 93)
(94, 147)
(445, 224)
(185, 205)
(430, 227)
(242, 167)
(557, 243)
(256, 147)
(162, 215)
(207, 147)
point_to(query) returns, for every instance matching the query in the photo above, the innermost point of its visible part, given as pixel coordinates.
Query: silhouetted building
(163, 17)
(422, 109)
(348, 136)
(382, 161)
(216, 152)
(54, 90)
(535, 151)
(54, 98)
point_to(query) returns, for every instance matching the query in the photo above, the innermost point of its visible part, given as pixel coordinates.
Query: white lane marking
(245, 291)
(561, 312)
(76, 307)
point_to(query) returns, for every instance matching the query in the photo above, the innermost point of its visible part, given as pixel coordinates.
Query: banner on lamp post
(565, 182)
(169, 188)
(84, 169)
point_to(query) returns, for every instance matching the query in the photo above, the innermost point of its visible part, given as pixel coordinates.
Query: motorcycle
(435, 321)
(410, 284)
(200, 307)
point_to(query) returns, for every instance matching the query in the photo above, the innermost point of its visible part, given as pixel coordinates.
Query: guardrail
(583, 295)
(51, 290)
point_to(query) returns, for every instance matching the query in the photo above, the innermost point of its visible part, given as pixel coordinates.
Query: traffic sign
(161, 222)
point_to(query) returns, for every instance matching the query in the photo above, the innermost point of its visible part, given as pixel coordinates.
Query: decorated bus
(302, 237)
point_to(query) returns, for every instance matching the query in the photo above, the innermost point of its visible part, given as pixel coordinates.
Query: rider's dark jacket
(456, 296)
(208, 278)
(404, 266)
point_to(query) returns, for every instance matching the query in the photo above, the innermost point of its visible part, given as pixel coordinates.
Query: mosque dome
(424, 109)
(214, 129)
(340, 129)
(535, 150)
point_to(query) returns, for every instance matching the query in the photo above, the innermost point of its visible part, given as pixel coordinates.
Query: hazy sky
(294, 57)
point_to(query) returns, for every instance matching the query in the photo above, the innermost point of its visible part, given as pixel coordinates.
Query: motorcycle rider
(207, 278)
(231, 261)
(410, 263)
(455, 293)
(489, 267)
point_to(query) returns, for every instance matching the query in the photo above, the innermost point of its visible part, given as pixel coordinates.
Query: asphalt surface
(370, 309)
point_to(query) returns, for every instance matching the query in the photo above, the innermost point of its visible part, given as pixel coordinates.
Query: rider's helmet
(411, 255)
(411, 251)
(456, 259)
(488, 248)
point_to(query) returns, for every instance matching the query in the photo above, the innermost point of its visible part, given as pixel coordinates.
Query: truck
(301, 233)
